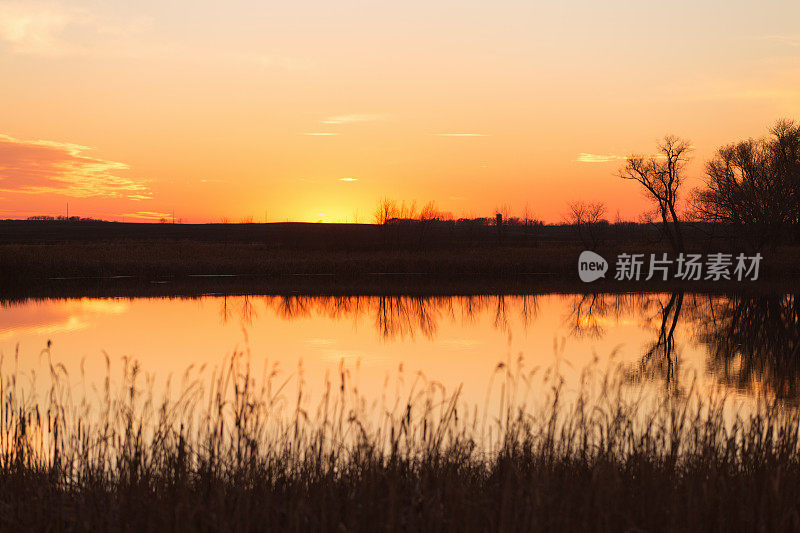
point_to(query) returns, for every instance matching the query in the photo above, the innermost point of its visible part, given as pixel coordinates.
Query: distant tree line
(391, 211)
(397, 219)
(64, 219)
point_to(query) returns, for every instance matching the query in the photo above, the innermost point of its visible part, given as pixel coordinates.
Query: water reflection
(399, 317)
(660, 358)
(753, 342)
(660, 314)
(747, 343)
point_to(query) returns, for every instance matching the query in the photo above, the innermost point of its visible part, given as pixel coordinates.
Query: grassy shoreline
(221, 455)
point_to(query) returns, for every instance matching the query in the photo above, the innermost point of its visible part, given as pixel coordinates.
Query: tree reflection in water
(591, 313)
(661, 358)
(394, 317)
(753, 342)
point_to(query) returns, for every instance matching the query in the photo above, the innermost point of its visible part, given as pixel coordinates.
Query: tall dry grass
(243, 448)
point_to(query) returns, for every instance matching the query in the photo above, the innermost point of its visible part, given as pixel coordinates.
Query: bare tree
(527, 215)
(754, 185)
(387, 209)
(661, 175)
(587, 217)
(427, 215)
(407, 211)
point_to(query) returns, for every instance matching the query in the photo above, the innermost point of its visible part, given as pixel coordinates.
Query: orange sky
(214, 110)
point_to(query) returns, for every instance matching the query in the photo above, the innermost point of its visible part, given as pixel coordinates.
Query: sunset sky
(314, 110)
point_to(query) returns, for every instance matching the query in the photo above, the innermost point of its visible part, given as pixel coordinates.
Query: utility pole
(67, 210)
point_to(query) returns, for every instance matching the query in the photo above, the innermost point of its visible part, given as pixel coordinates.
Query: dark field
(36, 257)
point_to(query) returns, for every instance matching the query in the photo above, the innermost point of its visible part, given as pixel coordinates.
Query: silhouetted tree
(661, 175)
(427, 215)
(754, 186)
(587, 218)
(387, 210)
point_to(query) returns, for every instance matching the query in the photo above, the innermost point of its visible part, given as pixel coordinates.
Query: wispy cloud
(148, 215)
(348, 179)
(47, 167)
(757, 93)
(32, 28)
(349, 119)
(583, 157)
(321, 134)
(286, 63)
(788, 40)
(48, 29)
(460, 134)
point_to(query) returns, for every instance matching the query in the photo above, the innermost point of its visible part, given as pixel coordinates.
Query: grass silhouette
(231, 448)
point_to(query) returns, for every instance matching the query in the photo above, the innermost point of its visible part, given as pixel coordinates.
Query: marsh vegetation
(237, 448)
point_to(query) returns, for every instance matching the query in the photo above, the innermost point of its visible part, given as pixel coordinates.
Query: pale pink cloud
(149, 215)
(349, 119)
(584, 157)
(460, 134)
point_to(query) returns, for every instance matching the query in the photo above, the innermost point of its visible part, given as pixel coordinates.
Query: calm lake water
(742, 345)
